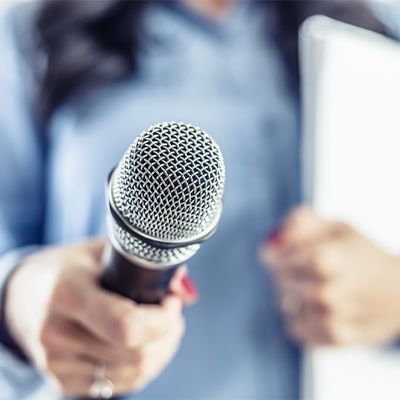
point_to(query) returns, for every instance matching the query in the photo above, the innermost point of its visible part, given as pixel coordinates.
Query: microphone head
(166, 194)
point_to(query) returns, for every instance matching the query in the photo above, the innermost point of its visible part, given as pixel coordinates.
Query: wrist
(6, 338)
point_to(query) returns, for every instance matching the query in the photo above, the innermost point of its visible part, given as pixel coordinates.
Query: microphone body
(164, 198)
(141, 284)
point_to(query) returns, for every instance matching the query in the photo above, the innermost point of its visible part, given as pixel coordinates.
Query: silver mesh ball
(169, 184)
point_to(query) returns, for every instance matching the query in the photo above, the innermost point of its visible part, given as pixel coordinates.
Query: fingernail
(190, 287)
(275, 238)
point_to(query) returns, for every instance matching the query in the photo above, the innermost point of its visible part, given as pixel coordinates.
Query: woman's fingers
(334, 286)
(128, 370)
(71, 337)
(119, 321)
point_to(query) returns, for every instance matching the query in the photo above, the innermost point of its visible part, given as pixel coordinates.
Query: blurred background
(45, 393)
(5, 3)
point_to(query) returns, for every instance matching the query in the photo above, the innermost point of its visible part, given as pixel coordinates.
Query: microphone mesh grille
(169, 184)
(150, 253)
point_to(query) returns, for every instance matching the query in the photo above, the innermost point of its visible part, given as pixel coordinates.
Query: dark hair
(87, 44)
(92, 43)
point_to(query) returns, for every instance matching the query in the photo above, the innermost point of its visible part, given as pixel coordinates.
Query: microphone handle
(141, 284)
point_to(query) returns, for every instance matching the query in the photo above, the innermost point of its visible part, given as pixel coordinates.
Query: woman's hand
(66, 323)
(334, 286)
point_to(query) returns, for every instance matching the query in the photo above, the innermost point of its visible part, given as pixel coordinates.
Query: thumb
(183, 286)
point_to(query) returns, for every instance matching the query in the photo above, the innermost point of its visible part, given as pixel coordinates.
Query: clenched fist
(66, 323)
(334, 286)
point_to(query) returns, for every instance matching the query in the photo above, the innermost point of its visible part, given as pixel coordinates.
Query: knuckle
(308, 269)
(139, 359)
(322, 297)
(324, 261)
(339, 229)
(47, 337)
(313, 266)
(332, 330)
(64, 296)
(320, 258)
(51, 364)
(323, 307)
(125, 328)
(334, 338)
(132, 366)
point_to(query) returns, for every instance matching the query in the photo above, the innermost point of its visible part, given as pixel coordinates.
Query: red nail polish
(189, 286)
(275, 238)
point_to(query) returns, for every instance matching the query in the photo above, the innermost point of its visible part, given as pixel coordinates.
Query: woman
(97, 74)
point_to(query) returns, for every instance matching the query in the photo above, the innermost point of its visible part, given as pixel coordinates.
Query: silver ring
(101, 388)
(291, 305)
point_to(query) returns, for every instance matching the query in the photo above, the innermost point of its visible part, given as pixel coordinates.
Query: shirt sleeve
(389, 14)
(21, 187)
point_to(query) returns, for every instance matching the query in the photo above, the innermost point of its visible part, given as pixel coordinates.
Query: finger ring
(101, 388)
(291, 305)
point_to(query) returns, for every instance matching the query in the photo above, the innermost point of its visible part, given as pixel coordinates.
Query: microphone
(165, 197)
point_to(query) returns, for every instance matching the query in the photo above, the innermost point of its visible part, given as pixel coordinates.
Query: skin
(344, 290)
(214, 10)
(65, 322)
